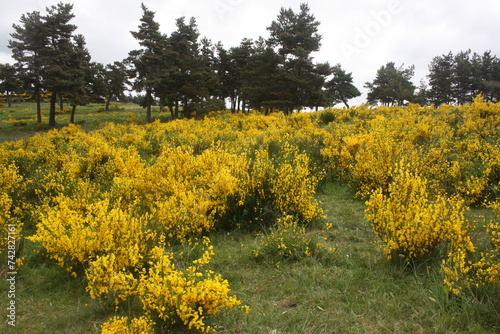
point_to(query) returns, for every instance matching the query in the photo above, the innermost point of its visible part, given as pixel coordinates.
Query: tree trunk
(185, 108)
(9, 99)
(148, 106)
(233, 104)
(52, 112)
(345, 102)
(61, 104)
(171, 108)
(38, 107)
(148, 114)
(107, 103)
(241, 105)
(72, 118)
(176, 109)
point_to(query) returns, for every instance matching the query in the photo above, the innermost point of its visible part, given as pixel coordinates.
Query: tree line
(190, 75)
(453, 79)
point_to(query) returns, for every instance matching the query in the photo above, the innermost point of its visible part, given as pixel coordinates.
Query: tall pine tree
(147, 61)
(192, 77)
(295, 36)
(62, 63)
(26, 44)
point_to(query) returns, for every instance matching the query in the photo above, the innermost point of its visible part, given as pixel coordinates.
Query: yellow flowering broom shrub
(488, 267)
(169, 292)
(185, 296)
(294, 186)
(455, 148)
(74, 234)
(411, 223)
(374, 160)
(454, 154)
(462, 271)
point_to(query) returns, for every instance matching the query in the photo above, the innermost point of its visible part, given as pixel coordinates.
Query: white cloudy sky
(362, 35)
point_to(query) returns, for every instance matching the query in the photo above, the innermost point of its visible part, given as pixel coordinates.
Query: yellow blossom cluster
(489, 264)
(168, 294)
(461, 271)
(294, 185)
(455, 148)
(418, 167)
(122, 325)
(409, 221)
(186, 296)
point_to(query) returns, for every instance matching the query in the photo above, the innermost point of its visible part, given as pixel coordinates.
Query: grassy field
(354, 290)
(19, 121)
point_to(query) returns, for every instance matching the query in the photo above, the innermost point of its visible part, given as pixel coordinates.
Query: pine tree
(462, 77)
(9, 82)
(239, 57)
(490, 77)
(147, 61)
(62, 72)
(230, 66)
(441, 77)
(115, 79)
(79, 91)
(192, 76)
(262, 80)
(295, 36)
(392, 86)
(341, 86)
(26, 44)
(49, 57)
(224, 68)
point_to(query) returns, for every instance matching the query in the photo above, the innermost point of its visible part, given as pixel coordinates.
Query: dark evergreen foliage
(392, 86)
(457, 79)
(192, 76)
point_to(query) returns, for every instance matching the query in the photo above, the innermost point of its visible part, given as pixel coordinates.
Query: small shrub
(288, 241)
(327, 116)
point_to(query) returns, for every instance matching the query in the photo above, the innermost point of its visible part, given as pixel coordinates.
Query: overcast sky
(361, 35)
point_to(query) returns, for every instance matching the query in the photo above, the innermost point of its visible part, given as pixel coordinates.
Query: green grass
(20, 122)
(356, 291)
